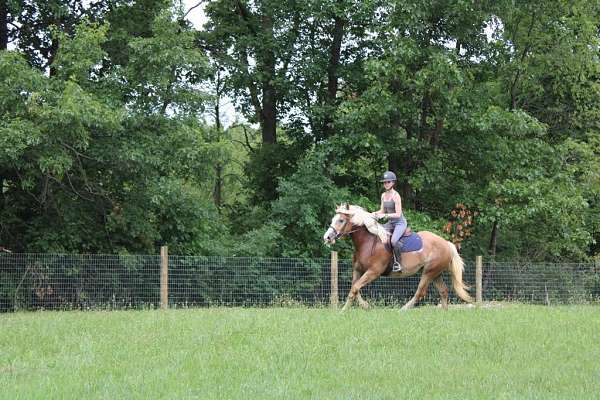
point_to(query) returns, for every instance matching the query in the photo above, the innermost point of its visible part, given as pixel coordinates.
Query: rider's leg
(398, 232)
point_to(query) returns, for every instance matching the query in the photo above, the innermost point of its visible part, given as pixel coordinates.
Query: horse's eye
(341, 221)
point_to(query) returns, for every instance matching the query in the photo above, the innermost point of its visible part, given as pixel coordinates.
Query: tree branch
(513, 95)
(191, 8)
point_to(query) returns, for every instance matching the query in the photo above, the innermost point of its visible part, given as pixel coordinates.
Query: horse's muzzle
(330, 236)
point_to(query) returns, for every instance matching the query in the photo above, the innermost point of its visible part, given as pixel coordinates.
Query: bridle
(338, 234)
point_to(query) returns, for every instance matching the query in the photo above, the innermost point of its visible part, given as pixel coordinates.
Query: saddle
(409, 241)
(407, 232)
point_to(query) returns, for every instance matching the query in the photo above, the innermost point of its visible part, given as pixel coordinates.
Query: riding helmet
(388, 176)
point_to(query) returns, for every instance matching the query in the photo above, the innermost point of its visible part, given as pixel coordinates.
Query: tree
(254, 42)
(95, 165)
(48, 130)
(547, 67)
(333, 44)
(8, 29)
(306, 201)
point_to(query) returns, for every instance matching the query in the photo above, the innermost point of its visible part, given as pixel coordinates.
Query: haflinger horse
(372, 256)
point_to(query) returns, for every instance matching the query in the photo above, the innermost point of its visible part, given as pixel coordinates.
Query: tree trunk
(266, 107)
(436, 133)
(3, 25)
(425, 108)
(269, 114)
(406, 190)
(218, 188)
(393, 165)
(266, 61)
(493, 240)
(1, 198)
(332, 75)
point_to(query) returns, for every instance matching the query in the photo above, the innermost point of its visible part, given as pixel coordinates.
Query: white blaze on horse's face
(336, 228)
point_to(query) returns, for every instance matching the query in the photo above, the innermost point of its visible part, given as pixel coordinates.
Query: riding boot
(397, 267)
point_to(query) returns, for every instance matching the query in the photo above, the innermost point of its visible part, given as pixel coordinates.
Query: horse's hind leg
(420, 293)
(443, 289)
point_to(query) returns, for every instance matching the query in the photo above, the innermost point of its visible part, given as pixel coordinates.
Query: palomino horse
(372, 257)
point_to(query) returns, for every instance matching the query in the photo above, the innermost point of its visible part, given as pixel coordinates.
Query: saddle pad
(412, 242)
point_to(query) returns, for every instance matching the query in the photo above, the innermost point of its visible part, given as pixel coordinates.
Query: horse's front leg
(364, 280)
(356, 274)
(361, 302)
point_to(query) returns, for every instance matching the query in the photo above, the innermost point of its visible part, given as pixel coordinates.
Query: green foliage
(264, 240)
(306, 203)
(266, 165)
(78, 57)
(89, 167)
(490, 105)
(163, 69)
(128, 20)
(186, 218)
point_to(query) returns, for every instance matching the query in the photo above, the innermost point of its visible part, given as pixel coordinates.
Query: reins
(339, 235)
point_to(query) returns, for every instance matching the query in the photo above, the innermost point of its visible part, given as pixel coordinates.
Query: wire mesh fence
(545, 283)
(48, 281)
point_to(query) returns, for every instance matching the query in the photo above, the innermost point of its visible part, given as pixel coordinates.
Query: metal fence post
(164, 277)
(334, 298)
(479, 279)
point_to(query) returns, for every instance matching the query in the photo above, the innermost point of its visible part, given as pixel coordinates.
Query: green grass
(510, 352)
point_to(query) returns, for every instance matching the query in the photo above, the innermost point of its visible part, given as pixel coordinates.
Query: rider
(391, 207)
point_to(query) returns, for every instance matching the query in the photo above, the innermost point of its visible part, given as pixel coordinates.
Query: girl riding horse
(371, 257)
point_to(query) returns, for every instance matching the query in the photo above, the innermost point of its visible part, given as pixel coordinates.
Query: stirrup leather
(396, 265)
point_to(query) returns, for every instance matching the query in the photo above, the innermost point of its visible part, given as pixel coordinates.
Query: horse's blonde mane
(360, 216)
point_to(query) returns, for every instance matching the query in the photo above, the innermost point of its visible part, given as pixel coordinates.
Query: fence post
(333, 297)
(164, 277)
(479, 279)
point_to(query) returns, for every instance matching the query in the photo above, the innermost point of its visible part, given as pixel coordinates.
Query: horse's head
(348, 218)
(340, 224)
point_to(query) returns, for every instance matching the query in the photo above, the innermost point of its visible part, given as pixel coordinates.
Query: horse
(372, 256)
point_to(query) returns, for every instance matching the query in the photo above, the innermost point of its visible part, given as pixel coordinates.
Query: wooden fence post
(333, 297)
(479, 279)
(164, 277)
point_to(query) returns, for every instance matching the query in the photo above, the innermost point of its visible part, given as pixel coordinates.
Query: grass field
(507, 352)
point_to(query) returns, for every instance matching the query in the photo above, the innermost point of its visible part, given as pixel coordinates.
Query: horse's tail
(457, 267)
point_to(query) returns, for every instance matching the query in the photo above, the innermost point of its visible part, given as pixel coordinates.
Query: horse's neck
(362, 237)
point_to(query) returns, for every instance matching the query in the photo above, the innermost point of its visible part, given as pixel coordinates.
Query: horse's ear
(347, 206)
